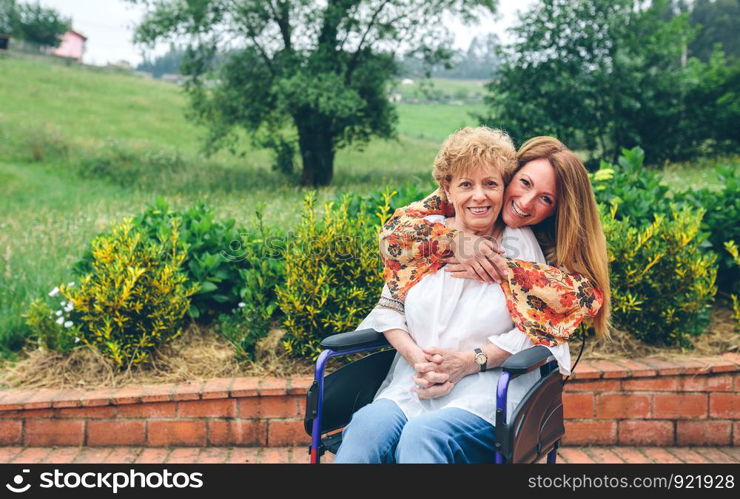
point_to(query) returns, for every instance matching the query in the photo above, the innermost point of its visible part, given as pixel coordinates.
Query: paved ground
(663, 455)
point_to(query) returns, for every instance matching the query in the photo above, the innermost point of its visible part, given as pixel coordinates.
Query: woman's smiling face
(531, 196)
(477, 196)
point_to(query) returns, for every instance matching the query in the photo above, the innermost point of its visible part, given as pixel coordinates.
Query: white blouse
(461, 314)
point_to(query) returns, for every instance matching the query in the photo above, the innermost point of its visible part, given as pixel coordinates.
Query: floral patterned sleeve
(409, 243)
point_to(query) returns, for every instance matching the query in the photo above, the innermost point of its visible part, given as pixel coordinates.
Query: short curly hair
(474, 147)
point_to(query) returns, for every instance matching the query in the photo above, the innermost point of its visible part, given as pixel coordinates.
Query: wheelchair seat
(533, 431)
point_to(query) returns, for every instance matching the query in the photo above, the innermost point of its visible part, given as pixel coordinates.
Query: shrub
(45, 142)
(722, 221)
(662, 284)
(54, 330)
(212, 261)
(135, 296)
(332, 274)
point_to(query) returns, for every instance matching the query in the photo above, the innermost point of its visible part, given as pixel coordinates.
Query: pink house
(72, 46)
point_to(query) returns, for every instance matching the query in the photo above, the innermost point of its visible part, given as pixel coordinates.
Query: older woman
(436, 404)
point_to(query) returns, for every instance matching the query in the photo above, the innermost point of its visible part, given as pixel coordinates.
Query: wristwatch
(481, 359)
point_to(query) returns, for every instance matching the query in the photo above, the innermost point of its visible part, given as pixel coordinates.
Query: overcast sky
(109, 26)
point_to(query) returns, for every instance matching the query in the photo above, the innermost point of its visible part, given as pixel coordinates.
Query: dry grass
(201, 354)
(196, 355)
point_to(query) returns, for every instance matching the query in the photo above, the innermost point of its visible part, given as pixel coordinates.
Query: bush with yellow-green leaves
(134, 298)
(333, 274)
(662, 283)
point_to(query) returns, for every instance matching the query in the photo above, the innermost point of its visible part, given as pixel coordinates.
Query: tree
(598, 74)
(719, 24)
(41, 25)
(299, 71)
(8, 16)
(168, 63)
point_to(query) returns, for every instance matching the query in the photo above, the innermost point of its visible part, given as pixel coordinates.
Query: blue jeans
(380, 433)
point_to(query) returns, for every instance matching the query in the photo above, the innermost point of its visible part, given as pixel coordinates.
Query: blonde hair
(573, 238)
(471, 148)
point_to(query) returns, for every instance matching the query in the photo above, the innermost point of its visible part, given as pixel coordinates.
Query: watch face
(480, 358)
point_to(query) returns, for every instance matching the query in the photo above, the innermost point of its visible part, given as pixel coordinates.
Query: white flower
(54, 291)
(77, 340)
(69, 307)
(68, 324)
(63, 303)
(60, 321)
(70, 284)
(242, 304)
(59, 313)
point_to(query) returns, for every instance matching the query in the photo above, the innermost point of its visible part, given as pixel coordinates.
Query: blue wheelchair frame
(534, 430)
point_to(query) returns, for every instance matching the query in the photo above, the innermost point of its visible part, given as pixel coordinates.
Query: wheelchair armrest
(527, 360)
(364, 338)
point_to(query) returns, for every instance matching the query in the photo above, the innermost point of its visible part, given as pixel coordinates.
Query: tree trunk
(317, 150)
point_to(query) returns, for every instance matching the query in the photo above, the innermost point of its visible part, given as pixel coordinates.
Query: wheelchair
(533, 432)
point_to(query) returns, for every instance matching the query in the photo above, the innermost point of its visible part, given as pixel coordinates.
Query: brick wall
(631, 402)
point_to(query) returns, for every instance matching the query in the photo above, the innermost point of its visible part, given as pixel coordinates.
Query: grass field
(68, 116)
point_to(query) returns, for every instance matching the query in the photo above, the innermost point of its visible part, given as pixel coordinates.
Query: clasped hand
(439, 371)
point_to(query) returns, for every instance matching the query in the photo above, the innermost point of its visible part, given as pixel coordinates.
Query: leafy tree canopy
(40, 25)
(300, 72)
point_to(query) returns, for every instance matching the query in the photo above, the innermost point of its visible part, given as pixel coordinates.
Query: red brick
(574, 456)
(704, 432)
(269, 407)
(715, 456)
(104, 412)
(123, 455)
(687, 455)
(622, 406)
(68, 398)
(153, 456)
(664, 367)
(603, 456)
(586, 370)
(11, 432)
(217, 388)
(153, 410)
(646, 433)
(720, 383)
(13, 399)
(273, 386)
(28, 414)
(631, 455)
(578, 405)
(174, 433)
(158, 393)
(62, 455)
(50, 432)
(736, 433)
(31, 455)
(663, 383)
(213, 456)
(222, 408)
(188, 391)
(721, 364)
(116, 433)
(280, 433)
(276, 456)
(590, 432)
(94, 398)
(636, 368)
(183, 456)
(89, 455)
(693, 366)
(610, 369)
(733, 357)
(8, 453)
(299, 385)
(127, 395)
(41, 399)
(237, 433)
(606, 385)
(660, 456)
(244, 455)
(244, 387)
(680, 405)
(724, 405)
